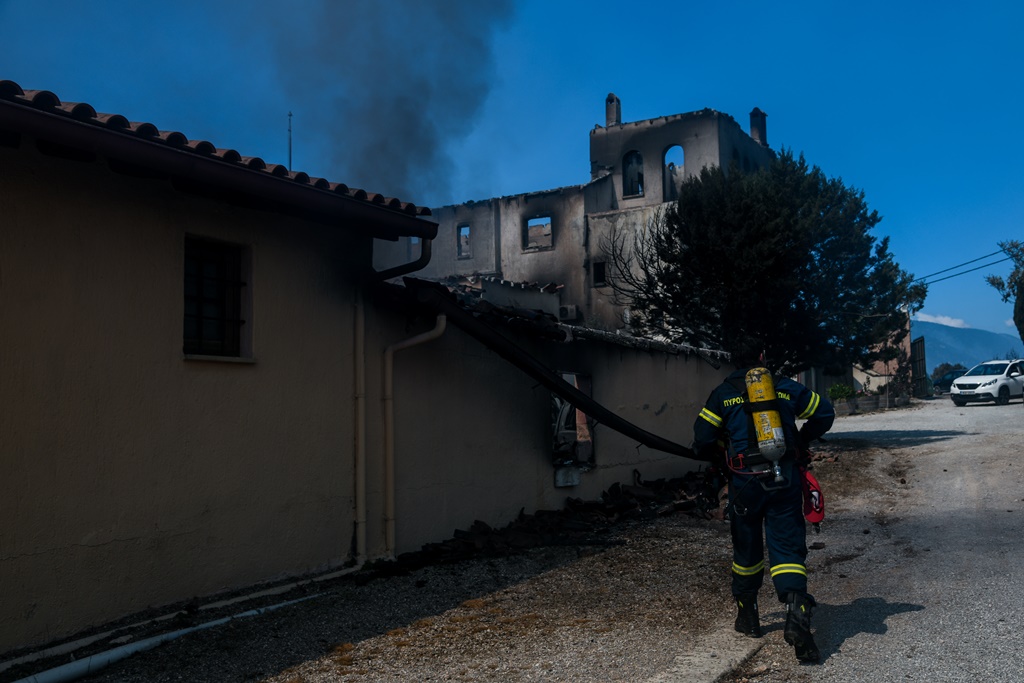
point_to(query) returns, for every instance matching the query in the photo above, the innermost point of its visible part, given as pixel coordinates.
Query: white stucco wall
(134, 477)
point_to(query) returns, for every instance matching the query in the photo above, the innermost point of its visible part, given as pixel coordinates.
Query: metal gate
(918, 369)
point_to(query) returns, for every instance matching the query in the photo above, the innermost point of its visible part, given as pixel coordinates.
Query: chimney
(613, 110)
(759, 127)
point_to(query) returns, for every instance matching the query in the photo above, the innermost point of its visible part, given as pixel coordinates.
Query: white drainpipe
(360, 427)
(389, 427)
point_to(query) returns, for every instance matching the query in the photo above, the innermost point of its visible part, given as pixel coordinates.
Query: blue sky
(917, 104)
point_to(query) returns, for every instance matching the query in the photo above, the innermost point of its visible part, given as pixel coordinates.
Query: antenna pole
(289, 141)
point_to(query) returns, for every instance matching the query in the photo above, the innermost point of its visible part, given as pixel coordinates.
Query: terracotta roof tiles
(48, 102)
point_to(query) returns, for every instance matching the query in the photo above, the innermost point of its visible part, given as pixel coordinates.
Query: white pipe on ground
(84, 667)
(389, 427)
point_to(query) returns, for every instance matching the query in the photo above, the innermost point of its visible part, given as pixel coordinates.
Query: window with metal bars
(214, 298)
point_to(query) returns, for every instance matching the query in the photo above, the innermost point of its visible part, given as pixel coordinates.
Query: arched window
(673, 172)
(632, 174)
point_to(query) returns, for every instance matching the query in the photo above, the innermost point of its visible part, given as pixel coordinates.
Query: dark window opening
(632, 174)
(214, 290)
(600, 274)
(673, 172)
(538, 233)
(464, 249)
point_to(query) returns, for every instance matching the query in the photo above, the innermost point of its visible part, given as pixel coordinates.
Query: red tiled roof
(133, 142)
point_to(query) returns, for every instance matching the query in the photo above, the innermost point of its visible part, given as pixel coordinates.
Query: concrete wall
(603, 310)
(697, 133)
(708, 138)
(135, 477)
(483, 448)
(562, 263)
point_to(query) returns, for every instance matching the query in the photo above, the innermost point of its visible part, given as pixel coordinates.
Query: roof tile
(45, 100)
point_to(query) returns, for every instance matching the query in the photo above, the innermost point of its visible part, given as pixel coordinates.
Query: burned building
(556, 237)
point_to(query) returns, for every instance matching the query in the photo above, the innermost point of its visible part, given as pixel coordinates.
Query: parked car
(994, 380)
(943, 383)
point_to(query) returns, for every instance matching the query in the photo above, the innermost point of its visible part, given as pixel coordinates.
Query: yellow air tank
(771, 440)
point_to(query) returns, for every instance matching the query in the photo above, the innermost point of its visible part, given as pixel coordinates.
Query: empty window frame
(673, 172)
(462, 234)
(633, 174)
(216, 299)
(573, 442)
(600, 273)
(537, 233)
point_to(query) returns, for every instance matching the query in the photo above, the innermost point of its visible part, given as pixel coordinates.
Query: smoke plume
(384, 87)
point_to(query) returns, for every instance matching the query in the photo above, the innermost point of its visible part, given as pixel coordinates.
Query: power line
(964, 272)
(965, 263)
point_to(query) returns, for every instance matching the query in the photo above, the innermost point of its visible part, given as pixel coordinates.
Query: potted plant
(842, 398)
(867, 399)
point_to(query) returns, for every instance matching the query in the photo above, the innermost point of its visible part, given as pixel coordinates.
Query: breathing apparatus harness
(764, 426)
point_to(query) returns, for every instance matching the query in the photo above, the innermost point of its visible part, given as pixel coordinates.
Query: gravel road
(917, 583)
(912, 571)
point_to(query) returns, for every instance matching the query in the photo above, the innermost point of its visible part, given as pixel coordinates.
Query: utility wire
(965, 263)
(964, 272)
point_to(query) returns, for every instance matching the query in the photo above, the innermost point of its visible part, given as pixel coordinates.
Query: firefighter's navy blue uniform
(754, 500)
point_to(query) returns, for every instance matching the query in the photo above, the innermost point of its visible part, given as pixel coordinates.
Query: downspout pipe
(359, 370)
(406, 268)
(359, 363)
(389, 426)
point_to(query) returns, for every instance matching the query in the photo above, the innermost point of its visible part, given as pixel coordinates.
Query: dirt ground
(620, 607)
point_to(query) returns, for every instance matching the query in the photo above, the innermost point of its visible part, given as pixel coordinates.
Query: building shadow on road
(835, 624)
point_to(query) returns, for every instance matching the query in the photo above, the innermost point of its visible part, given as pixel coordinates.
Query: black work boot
(798, 627)
(748, 622)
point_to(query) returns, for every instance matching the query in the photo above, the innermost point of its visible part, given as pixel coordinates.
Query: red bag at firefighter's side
(814, 501)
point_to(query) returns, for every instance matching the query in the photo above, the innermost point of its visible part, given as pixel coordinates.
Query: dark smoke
(393, 82)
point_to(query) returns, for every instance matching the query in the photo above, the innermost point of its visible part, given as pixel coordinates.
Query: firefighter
(766, 493)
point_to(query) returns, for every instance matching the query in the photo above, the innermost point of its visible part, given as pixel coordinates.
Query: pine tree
(781, 261)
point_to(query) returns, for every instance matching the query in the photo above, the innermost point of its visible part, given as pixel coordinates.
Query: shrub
(838, 391)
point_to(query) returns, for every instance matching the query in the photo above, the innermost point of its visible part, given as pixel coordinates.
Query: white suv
(994, 380)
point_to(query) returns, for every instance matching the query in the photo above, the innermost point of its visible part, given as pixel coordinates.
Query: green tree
(942, 368)
(1012, 288)
(781, 261)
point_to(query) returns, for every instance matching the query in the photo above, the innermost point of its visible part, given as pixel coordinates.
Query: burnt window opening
(216, 299)
(463, 246)
(414, 248)
(673, 172)
(633, 174)
(573, 430)
(600, 274)
(537, 234)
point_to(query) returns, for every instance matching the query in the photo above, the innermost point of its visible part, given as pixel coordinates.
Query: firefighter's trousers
(776, 517)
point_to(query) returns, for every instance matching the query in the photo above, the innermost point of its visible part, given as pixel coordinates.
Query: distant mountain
(965, 345)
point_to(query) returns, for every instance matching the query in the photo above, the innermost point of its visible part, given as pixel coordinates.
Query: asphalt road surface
(917, 574)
